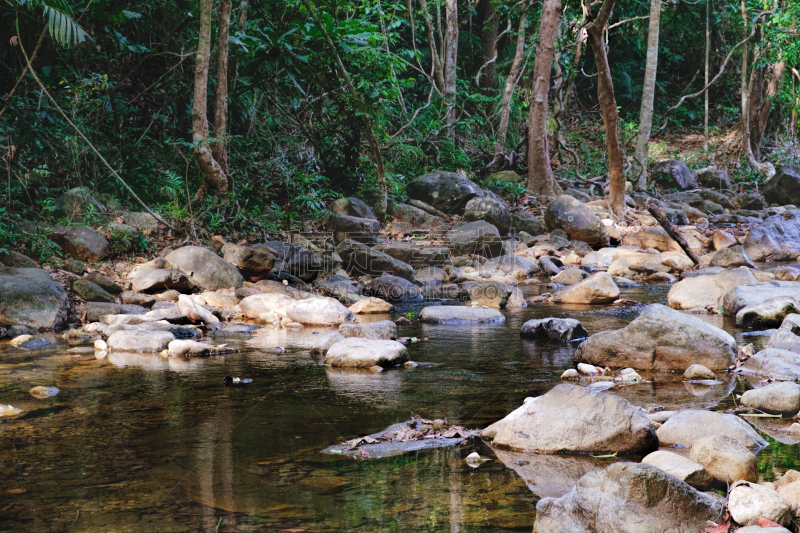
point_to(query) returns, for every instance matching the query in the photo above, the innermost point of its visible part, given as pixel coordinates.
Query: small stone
(100, 345)
(698, 372)
(43, 392)
(587, 370)
(571, 373)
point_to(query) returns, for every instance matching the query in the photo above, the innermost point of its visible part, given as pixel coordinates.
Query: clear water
(140, 443)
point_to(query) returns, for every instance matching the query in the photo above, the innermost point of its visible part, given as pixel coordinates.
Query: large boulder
(393, 289)
(295, 259)
(598, 288)
(686, 427)
(415, 216)
(29, 297)
(777, 238)
(557, 329)
(681, 467)
(784, 187)
(446, 191)
(573, 419)
(773, 363)
(81, 242)
(713, 178)
(660, 338)
(477, 237)
(10, 258)
(708, 290)
(365, 353)
(581, 224)
(453, 315)
(493, 294)
(160, 279)
(319, 312)
(139, 341)
(732, 257)
(91, 292)
(493, 210)
(751, 294)
(627, 498)
(724, 458)
(775, 398)
(651, 237)
(528, 223)
(516, 266)
(380, 330)
(673, 174)
(767, 314)
(784, 339)
(414, 254)
(749, 502)
(345, 227)
(252, 262)
(205, 268)
(77, 202)
(352, 207)
(360, 259)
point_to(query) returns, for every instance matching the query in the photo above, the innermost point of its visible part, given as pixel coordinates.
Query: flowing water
(140, 443)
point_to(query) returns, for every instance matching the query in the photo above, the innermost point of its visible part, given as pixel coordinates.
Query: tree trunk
(244, 7)
(540, 176)
(511, 83)
(377, 157)
(648, 95)
(580, 37)
(450, 58)
(214, 178)
(761, 107)
(705, 84)
(489, 24)
(608, 107)
(436, 59)
(220, 147)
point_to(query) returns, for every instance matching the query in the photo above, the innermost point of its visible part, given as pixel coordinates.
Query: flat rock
(708, 290)
(94, 310)
(627, 498)
(453, 314)
(573, 419)
(660, 338)
(688, 426)
(679, 466)
(140, 341)
(365, 353)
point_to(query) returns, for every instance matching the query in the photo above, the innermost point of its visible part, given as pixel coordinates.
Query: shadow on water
(137, 442)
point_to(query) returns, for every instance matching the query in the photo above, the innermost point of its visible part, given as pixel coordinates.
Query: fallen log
(662, 219)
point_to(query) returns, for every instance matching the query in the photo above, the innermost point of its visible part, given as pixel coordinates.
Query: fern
(63, 28)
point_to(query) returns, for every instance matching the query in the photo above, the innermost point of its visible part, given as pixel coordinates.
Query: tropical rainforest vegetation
(249, 116)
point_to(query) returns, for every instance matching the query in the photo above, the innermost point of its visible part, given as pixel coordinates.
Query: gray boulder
(732, 257)
(743, 296)
(415, 216)
(493, 210)
(352, 207)
(767, 314)
(29, 297)
(749, 502)
(598, 288)
(528, 223)
(573, 419)
(493, 294)
(95, 310)
(713, 178)
(81, 242)
(681, 467)
(414, 254)
(784, 339)
(357, 229)
(360, 259)
(160, 279)
(724, 458)
(708, 290)
(660, 338)
(139, 341)
(673, 174)
(577, 220)
(558, 329)
(319, 312)
(516, 266)
(381, 330)
(91, 292)
(773, 363)
(294, 259)
(366, 353)
(479, 237)
(252, 262)
(205, 268)
(446, 191)
(775, 398)
(777, 238)
(453, 315)
(688, 426)
(627, 498)
(393, 289)
(784, 187)
(106, 284)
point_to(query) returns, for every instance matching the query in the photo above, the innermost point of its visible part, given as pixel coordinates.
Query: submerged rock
(660, 338)
(574, 419)
(366, 353)
(627, 498)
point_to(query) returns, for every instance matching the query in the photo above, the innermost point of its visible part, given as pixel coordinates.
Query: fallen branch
(662, 219)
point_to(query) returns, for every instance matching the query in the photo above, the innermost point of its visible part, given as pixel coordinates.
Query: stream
(140, 443)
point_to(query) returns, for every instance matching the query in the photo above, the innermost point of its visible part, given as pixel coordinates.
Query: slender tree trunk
(244, 9)
(372, 140)
(214, 178)
(436, 59)
(489, 24)
(450, 61)
(580, 38)
(648, 95)
(608, 107)
(511, 82)
(705, 84)
(220, 147)
(763, 105)
(540, 176)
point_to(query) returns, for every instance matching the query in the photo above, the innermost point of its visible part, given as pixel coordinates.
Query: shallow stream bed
(139, 443)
